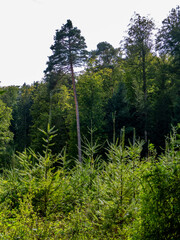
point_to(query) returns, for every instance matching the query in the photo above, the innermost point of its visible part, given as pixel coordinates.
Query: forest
(93, 150)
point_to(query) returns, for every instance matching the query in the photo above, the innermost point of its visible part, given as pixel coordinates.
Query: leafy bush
(160, 197)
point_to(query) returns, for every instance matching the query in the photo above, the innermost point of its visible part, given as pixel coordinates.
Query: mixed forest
(93, 150)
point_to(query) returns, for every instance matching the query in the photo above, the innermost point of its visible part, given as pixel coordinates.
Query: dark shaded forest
(92, 151)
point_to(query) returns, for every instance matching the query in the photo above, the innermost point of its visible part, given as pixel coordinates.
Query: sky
(28, 27)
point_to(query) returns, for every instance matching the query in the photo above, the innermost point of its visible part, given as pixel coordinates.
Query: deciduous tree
(137, 47)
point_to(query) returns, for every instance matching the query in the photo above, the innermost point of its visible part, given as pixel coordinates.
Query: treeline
(136, 85)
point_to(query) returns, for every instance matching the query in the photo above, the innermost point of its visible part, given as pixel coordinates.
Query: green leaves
(123, 198)
(138, 41)
(168, 36)
(5, 120)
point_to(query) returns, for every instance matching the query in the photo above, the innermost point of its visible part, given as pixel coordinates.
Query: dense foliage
(126, 198)
(127, 106)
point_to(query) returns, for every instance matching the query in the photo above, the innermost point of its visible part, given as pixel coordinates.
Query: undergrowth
(125, 197)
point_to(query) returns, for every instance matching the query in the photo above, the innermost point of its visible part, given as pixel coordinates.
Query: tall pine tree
(69, 51)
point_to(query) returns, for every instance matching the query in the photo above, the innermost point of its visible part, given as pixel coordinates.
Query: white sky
(27, 29)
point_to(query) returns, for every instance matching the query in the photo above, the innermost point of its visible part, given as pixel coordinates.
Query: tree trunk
(77, 115)
(144, 91)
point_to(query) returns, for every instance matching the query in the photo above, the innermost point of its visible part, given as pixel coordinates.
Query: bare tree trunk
(145, 92)
(77, 115)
